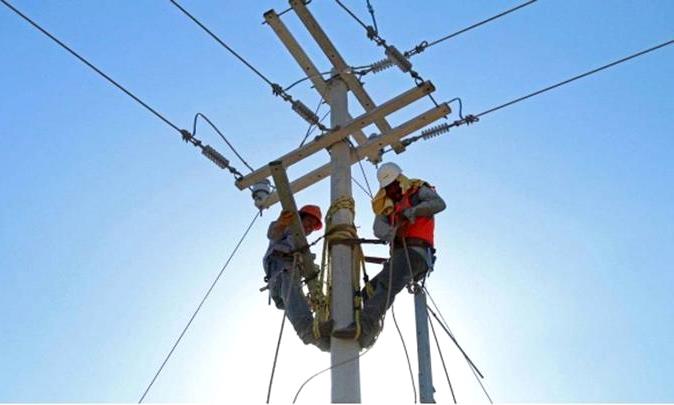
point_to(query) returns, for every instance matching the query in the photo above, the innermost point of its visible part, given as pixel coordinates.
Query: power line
(89, 64)
(425, 44)
(625, 59)
(451, 336)
(311, 128)
(367, 182)
(305, 78)
(221, 42)
(407, 356)
(278, 346)
(224, 267)
(353, 15)
(442, 359)
(370, 9)
(306, 2)
(293, 279)
(215, 128)
(212, 154)
(393, 55)
(469, 119)
(444, 324)
(297, 106)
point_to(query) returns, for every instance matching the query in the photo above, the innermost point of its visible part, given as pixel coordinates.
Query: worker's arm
(429, 204)
(275, 231)
(278, 227)
(382, 229)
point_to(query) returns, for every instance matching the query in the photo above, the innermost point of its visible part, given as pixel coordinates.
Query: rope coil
(338, 234)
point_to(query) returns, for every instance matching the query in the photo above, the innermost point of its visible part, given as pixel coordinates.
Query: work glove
(409, 215)
(285, 218)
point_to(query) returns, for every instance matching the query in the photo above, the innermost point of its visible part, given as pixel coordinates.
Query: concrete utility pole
(345, 377)
(426, 389)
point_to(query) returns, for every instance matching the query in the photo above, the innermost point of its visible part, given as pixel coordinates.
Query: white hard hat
(387, 173)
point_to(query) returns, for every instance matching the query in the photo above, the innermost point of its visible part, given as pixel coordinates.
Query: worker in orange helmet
(284, 286)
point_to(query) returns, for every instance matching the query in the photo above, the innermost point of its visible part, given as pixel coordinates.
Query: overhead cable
(407, 355)
(442, 359)
(370, 9)
(425, 44)
(86, 62)
(208, 292)
(215, 128)
(299, 107)
(443, 322)
(294, 279)
(456, 343)
(469, 119)
(393, 55)
(580, 76)
(286, 10)
(206, 150)
(221, 42)
(278, 346)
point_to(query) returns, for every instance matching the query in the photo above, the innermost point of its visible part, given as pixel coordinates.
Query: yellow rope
(335, 234)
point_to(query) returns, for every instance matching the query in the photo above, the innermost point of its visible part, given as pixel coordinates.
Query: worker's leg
(297, 307)
(399, 273)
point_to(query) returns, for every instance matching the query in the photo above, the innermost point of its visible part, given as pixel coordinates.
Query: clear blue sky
(555, 253)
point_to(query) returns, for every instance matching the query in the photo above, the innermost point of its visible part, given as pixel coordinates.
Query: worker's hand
(285, 218)
(409, 215)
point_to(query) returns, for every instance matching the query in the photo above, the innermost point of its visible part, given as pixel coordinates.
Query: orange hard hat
(314, 211)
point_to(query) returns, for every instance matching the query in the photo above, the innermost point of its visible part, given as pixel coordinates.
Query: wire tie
(277, 89)
(371, 32)
(186, 135)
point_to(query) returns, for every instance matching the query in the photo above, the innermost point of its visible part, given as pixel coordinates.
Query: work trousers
(285, 290)
(398, 272)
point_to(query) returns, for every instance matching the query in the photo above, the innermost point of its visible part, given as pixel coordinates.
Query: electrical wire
(306, 2)
(221, 42)
(554, 86)
(278, 346)
(451, 336)
(360, 186)
(224, 267)
(470, 118)
(370, 9)
(407, 356)
(293, 279)
(425, 44)
(352, 14)
(367, 183)
(295, 83)
(90, 65)
(362, 170)
(297, 106)
(442, 359)
(194, 132)
(212, 154)
(444, 323)
(312, 127)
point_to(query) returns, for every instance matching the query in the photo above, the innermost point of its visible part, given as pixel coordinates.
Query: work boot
(368, 326)
(347, 332)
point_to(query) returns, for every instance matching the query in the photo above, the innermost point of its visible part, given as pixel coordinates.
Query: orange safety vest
(423, 227)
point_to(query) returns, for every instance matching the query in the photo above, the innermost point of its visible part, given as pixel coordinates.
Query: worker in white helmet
(404, 210)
